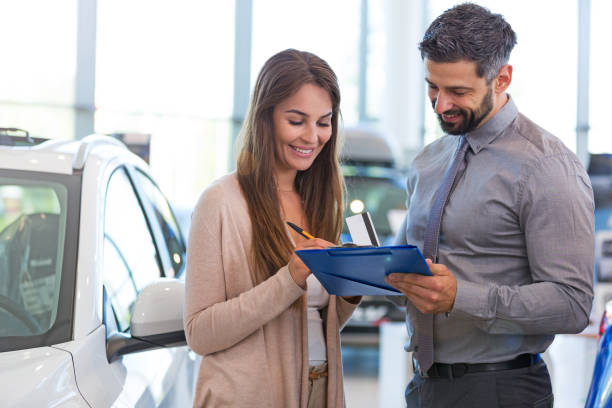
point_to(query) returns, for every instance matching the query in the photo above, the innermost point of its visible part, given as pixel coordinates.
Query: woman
(266, 328)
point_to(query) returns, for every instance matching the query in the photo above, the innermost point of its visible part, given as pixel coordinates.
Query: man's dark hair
(470, 32)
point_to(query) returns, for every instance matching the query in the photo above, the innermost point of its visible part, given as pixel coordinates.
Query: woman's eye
(324, 124)
(295, 123)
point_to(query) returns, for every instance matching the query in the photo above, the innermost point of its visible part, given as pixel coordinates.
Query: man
(513, 262)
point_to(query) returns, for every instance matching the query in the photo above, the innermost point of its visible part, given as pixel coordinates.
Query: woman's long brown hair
(320, 186)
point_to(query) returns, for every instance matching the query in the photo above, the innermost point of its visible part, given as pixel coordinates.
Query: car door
(172, 249)
(131, 261)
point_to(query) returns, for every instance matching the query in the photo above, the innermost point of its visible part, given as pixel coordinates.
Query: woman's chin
(300, 164)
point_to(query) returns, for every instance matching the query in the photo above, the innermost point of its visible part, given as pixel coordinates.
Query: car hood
(38, 377)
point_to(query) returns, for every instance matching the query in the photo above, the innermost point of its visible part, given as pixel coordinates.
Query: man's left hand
(429, 294)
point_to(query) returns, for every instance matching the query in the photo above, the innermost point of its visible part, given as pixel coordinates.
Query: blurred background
(173, 78)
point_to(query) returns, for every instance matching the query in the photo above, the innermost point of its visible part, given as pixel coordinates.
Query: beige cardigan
(253, 340)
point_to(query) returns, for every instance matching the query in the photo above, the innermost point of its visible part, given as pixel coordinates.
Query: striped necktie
(424, 322)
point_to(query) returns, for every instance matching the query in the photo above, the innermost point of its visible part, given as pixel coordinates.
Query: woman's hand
(299, 272)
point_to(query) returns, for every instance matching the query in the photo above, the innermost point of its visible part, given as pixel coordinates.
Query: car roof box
(366, 146)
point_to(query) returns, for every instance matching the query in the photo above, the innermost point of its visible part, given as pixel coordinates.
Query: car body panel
(135, 380)
(45, 376)
(41, 157)
(89, 314)
(600, 391)
(600, 171)
(98, 169)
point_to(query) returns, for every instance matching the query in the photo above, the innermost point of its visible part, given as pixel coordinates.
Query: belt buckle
(315, 376)
(458, 370)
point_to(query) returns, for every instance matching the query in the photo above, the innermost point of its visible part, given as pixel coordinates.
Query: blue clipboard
(361, 271)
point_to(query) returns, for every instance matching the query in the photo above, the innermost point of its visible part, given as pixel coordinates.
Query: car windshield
(34, 245)
(382, 194)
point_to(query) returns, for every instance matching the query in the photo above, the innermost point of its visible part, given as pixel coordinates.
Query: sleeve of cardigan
(344, 310)
(212, 321)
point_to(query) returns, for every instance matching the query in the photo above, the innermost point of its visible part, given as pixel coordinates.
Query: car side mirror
(157, 320)
(158, 312)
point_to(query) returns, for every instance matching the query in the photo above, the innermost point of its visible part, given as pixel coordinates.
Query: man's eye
(459, 93)
(295, 122)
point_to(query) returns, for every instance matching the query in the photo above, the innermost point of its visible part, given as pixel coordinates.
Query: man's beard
(471, 118)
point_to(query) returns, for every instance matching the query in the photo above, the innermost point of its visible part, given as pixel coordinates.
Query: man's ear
(503, 79)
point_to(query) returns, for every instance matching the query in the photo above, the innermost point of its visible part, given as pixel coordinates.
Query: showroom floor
(370, 370)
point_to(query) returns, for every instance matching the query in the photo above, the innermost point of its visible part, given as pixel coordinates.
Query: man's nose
(443, 103)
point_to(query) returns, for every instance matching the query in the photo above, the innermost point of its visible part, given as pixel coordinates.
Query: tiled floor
(570, 360)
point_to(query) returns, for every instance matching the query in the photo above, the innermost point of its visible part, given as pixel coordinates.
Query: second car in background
(373, 184)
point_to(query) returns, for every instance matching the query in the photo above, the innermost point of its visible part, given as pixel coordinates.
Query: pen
(300, 231)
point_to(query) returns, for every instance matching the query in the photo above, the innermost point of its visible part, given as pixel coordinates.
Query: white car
(91, 287)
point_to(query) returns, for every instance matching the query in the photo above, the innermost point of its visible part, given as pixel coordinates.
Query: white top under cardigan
(318, 298)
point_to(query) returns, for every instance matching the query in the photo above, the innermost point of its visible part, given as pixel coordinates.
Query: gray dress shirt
(517, 233)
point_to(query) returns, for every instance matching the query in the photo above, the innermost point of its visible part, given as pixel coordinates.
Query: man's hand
(429, 294)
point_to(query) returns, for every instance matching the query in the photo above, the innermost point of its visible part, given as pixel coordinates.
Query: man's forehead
(452, 74)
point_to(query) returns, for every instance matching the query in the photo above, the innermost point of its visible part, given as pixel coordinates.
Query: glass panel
(41, 121)
(37, 74)
(130, 257)
(38, 51)
(176, 61)
(167, 222)
(171, 78)
(537, 78)
(382, 193)
(317, 26)
(32, 234)
(600, 88)
(376, 58)
(186, 153)
(119, 286)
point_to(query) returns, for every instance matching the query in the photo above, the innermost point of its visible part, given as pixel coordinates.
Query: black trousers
(523, 387)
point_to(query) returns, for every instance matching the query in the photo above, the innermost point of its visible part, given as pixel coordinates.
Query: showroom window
(544, 61)
(600, 87)
(327, 29)
(37, 74)
(165, 69)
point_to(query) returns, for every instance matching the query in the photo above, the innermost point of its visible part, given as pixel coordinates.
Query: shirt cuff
(472, 299)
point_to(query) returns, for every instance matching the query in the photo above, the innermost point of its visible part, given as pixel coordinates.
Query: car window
(167, 222)
(383, 197)
(118, 284)
(32, 236)
(130, 258)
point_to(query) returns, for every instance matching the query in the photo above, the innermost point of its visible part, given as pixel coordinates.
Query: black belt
(456, 370)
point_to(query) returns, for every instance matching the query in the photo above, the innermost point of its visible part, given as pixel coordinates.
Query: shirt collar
(485, 134)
